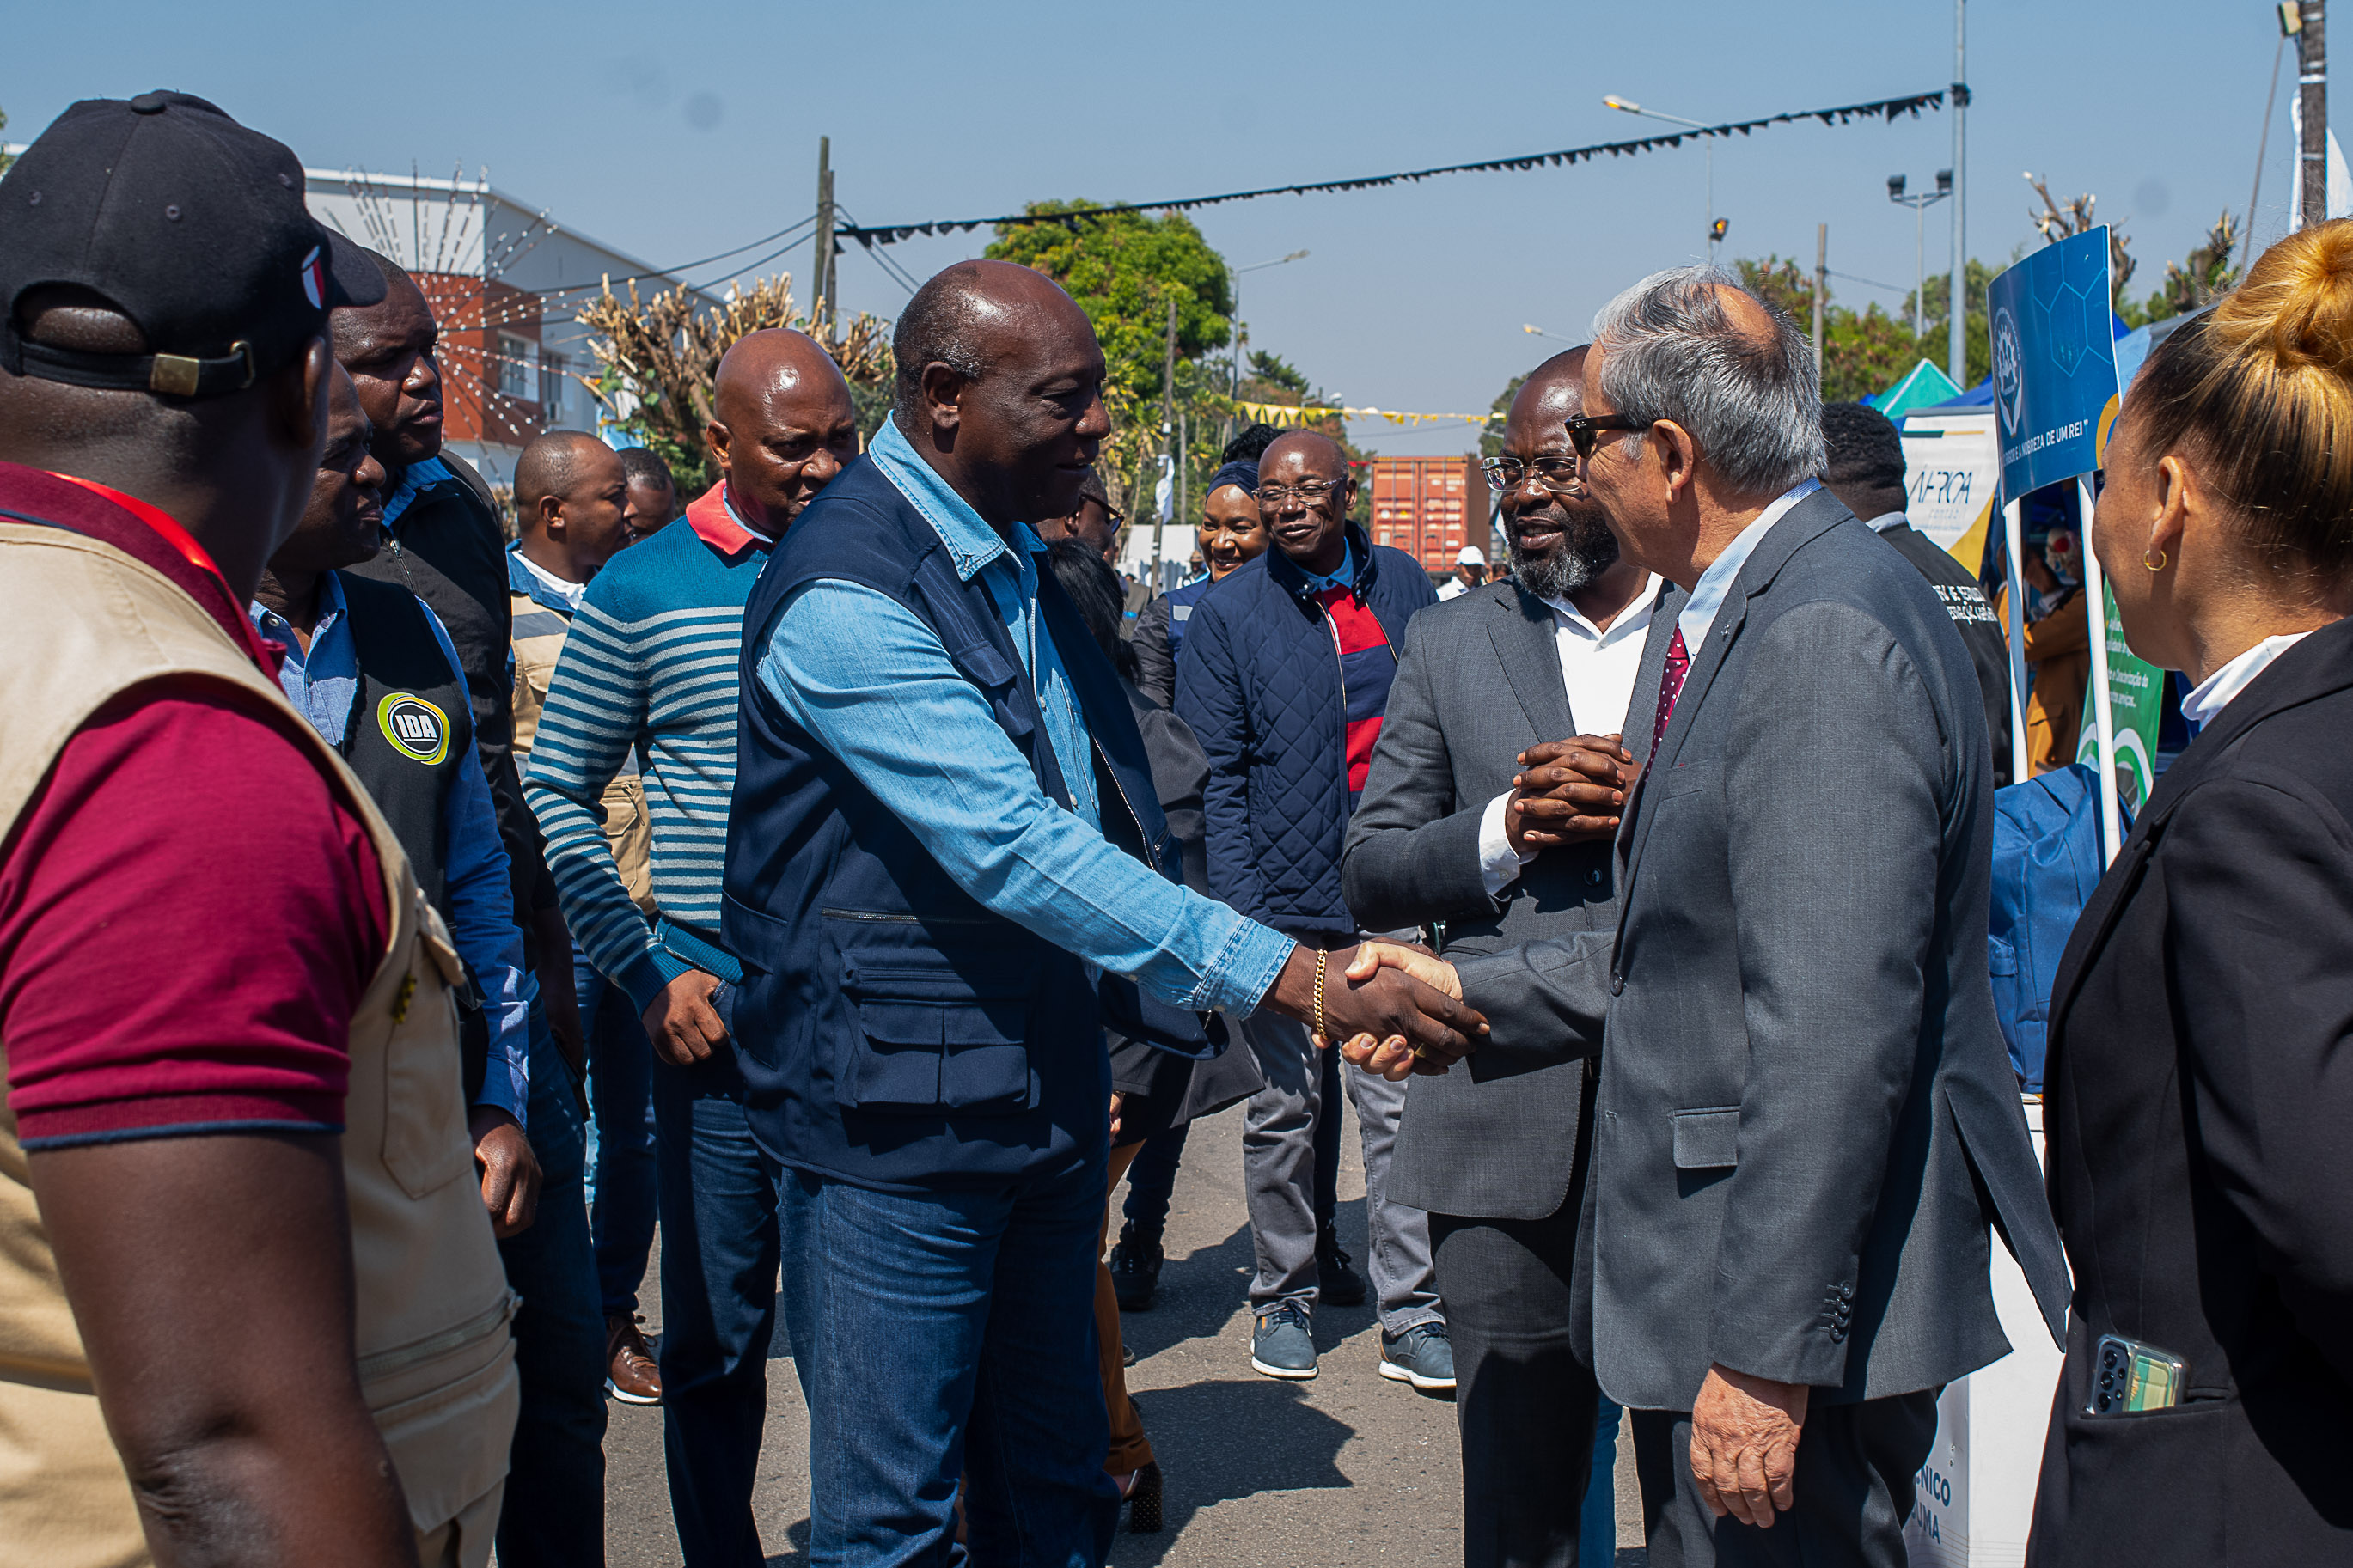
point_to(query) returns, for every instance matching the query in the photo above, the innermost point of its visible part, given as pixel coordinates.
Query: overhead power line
(667, 273)
(1885, 109)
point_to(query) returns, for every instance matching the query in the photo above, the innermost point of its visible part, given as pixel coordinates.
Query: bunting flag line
(1307, 414)
(1887, 108)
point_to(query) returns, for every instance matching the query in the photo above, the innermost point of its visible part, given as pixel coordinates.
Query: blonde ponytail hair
(2261, 390)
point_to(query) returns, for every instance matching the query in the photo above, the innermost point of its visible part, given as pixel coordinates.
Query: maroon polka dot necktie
(1671, 686)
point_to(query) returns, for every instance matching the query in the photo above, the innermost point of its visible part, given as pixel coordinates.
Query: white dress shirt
(1598, 670)
(2212, 695)
(569, 592)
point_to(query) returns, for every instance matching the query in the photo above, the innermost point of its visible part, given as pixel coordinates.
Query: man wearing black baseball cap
(250, 1308)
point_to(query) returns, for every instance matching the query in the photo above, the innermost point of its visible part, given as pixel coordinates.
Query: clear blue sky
(679, 129)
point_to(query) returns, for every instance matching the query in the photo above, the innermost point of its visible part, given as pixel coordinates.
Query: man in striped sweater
(650, 663)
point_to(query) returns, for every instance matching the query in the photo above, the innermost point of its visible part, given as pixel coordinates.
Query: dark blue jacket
(895, 1032)
(1261, 686)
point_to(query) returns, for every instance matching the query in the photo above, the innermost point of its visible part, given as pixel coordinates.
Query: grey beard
(1576, 563)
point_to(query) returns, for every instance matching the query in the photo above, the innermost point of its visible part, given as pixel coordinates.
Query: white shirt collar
(570, 592)
(1887, 523)
(2212, 695)
(1707, 595)
(1635, 618)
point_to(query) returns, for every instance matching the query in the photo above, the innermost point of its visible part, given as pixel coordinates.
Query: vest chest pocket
(939, 1037)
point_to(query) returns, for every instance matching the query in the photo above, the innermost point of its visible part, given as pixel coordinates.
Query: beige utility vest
(79, 622)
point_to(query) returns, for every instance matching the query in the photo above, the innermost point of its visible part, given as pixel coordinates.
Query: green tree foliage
(1275, 375)
(1868, 351)
(5, 159)
(2194, 282)
(1123, 270)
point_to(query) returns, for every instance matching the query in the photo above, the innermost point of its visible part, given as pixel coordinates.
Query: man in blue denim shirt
(374, 671)
(935, 761)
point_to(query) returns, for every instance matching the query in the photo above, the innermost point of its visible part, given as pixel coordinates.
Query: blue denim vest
(892, 1031)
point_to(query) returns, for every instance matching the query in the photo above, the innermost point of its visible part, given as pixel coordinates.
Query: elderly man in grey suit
(1806, 1122)
(1495, 791)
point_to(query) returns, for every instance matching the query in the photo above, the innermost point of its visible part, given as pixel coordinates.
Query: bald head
(1000, 389)
(1317, 455)
(968, 317)
(781, 425)
(1311, 529)
(571, 497)
(767, 372)
(1692, 347)
(1553, 391)
(556, 464)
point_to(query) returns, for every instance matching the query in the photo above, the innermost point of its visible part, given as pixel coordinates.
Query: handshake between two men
(1568, 792)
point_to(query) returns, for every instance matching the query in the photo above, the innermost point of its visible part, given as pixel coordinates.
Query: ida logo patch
(416, 728)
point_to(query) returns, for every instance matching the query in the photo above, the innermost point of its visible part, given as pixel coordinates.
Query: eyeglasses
(1312, 492)
(1558, 475)
(1585, 432)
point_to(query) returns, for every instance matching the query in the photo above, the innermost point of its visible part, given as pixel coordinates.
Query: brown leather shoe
(631, 1376)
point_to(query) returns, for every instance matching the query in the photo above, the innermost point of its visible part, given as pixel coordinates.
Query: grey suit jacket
(1805, 1118)
(1480, 682)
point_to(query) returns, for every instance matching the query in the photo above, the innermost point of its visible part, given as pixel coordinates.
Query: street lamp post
(1234, 387)
(1707, 145)
(1919, 205)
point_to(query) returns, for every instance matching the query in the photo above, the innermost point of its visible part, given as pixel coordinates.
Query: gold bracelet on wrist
(1321, 958)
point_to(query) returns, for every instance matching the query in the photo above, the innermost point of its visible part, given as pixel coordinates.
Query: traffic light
(1715, 231)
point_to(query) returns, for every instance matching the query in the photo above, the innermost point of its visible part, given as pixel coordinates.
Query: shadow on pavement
(1200, 1292)
(1218, 1441)
(797, 1556)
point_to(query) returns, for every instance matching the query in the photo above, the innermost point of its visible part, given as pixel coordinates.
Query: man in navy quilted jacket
(1285, 677)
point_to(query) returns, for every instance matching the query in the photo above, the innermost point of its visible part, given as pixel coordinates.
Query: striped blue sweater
(650, 663)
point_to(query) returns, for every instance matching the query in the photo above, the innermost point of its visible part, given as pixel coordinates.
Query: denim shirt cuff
(1245, 969)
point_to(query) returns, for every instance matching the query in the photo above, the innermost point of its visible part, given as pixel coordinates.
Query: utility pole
(1167, 443)
(2312, 83)
(1957, 297)
(821, 273)
(1822, 288)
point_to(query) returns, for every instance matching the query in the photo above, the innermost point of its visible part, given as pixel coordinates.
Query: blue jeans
(1596, 1526)
(718, 1196)
(555, 1509)
(620, 1136)
(943, 1334)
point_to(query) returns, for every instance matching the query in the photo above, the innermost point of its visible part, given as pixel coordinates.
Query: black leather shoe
(1337, 1282)
(1134, 1272)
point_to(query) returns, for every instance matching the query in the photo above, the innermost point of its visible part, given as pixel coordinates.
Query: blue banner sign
(2054, 368)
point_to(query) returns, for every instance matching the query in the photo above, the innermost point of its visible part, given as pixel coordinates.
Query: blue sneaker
(1422, 1356)
(1281, 1346)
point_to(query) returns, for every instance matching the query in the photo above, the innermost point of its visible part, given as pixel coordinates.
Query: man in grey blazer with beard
(1493, 794)
(1806, 1122)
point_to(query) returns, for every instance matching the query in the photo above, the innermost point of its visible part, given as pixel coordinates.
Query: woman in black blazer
(2199, 1083)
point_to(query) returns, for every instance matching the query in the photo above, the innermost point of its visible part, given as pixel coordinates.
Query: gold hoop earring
(2155, 565)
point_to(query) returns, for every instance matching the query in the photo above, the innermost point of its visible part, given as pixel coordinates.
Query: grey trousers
(1279, 1176)
(1527, 1402)
(1853, 1491)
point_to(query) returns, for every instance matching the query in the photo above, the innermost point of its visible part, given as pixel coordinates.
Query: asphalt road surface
(1344, 1470)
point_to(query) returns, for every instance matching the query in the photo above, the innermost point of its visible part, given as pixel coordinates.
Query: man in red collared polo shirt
(648, 667)
(196, 908)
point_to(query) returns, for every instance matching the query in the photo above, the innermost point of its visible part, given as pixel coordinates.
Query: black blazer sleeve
(1156, 661)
